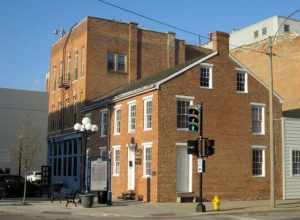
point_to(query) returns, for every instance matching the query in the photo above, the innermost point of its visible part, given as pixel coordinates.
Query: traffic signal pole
(200, 206)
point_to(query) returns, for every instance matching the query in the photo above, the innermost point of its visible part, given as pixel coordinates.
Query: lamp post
(86, 128)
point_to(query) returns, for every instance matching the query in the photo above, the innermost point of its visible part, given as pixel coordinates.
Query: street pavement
(240, 210)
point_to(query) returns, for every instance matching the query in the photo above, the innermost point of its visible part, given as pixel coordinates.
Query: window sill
(182, 129)
(116, 134)
(116, 175)
(258, 134)
(242, 92)
(263, 176)
(131, 132)
(147, 176)
(203, 87)
(103, 136)
(147, 129)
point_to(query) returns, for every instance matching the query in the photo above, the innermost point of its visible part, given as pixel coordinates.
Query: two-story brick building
(145, 128)
(94, 58)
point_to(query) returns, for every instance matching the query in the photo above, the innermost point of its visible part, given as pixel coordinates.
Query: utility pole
(271, 125)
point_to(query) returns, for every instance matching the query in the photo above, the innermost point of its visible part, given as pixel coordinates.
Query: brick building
(145, 127)
(94, 58)
(285, 66)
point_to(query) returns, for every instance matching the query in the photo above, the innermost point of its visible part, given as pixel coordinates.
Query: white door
(131, 168)
(183, 169)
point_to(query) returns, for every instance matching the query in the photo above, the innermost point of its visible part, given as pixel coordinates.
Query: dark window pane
(110, 62)
(75, 146)
(75, 166)
(59, 166)
(69, 166)
(65, 166)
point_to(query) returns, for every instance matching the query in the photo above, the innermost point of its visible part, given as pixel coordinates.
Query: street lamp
(86, 128)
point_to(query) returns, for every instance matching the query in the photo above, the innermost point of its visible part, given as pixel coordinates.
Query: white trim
(115, 120)
(283, 159)
(145, 101)
(246, 81)
(145, 146)
(255, 77)
(210, 77)
(181, 144)
(131, 101)
(240, 69)
(116, 147)
(263, 149)
(184, 97)
(130, 104)
(263, 126)
(207, 64)
(185, 69)
(257, 103)
(118, 106)
(291, 164)
(148, 97)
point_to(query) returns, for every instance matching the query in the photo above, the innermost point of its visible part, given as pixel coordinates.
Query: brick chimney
(171, 49)
(132, 55)
(220, 42)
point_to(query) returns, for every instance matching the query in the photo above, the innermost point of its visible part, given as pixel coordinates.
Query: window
(68, 77)
(286, 28)
(258, 119)
(116, 164)
(116, 62)
(182, 105)
(76, 66)
(295, 162)
(255, 34)
(82, 62)
(103, 123)
(148, 113)
(117, 124)
(258, 162)
(206, 77)
(241, 81)
(147, 168)
(131, 116)
(61, 71)
(264, 31)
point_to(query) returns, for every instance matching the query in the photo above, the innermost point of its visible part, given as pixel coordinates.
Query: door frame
(131, 152)
(190, 158)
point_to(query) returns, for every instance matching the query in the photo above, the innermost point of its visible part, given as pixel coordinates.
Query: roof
(294, 113)
(147, 83)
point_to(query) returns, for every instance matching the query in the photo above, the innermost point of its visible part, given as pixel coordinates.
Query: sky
(27, 26)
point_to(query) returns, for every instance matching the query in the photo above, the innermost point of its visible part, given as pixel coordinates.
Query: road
(291, 215)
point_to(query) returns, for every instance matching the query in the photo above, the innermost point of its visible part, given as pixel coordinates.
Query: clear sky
(27, 25)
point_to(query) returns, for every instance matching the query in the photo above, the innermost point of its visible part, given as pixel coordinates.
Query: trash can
(102, 197)
(87, 200)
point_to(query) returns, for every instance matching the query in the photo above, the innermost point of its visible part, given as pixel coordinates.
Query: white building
(261, 30)
(291, 154)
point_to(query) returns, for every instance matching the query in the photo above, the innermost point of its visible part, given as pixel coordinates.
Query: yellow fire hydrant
(216, 202)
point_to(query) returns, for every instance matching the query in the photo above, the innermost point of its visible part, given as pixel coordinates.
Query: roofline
(185, 69)
(255, 77)
(147, 88)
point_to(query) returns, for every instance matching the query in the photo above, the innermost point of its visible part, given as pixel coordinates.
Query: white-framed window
(242, 81)
(116, 62)
(258, 161)
(148, 113)
(182, 104)
(103, 123)
(258, 119)
(117, 121)
(116, 160)
(131, 116)
(295, 162)
(206, 76)
(76, 65)
(264, 31)
(147, 160)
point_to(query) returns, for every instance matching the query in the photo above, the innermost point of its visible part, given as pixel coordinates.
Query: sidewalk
(132, 209)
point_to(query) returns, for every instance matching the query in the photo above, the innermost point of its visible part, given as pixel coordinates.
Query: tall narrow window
(182, 105)
(68, 76)
(116, 164)
(61, 71)
(110, 62)
(241, 81)
(76, 66)
(82, 66)
(147, 113)
(121, 63)
(117, 121)
(295, 162)
(206, 76)
(258, 119)
(147, 168)
(103, 123)
(258, 162)
(131, 116)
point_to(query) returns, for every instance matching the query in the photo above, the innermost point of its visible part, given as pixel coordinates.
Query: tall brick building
(95, 57)
(137, 84)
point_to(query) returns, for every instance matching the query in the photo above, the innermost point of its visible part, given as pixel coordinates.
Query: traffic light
(192, 147)
(193, 118)
(209, 147)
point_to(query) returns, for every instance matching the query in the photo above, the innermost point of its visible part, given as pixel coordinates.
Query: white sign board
(201, 165)
(98, 175)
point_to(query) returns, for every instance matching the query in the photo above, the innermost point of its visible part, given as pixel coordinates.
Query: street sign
(201, 165)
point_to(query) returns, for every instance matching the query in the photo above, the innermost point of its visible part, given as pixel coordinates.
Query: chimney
(132, 51)
(171, 49)
(220, 42)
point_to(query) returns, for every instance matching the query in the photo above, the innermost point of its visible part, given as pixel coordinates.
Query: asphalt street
(291, 215)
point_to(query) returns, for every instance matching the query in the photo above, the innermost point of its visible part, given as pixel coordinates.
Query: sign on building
(98, 175)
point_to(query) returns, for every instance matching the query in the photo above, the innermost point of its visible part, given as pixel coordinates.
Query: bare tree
(26, 150)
